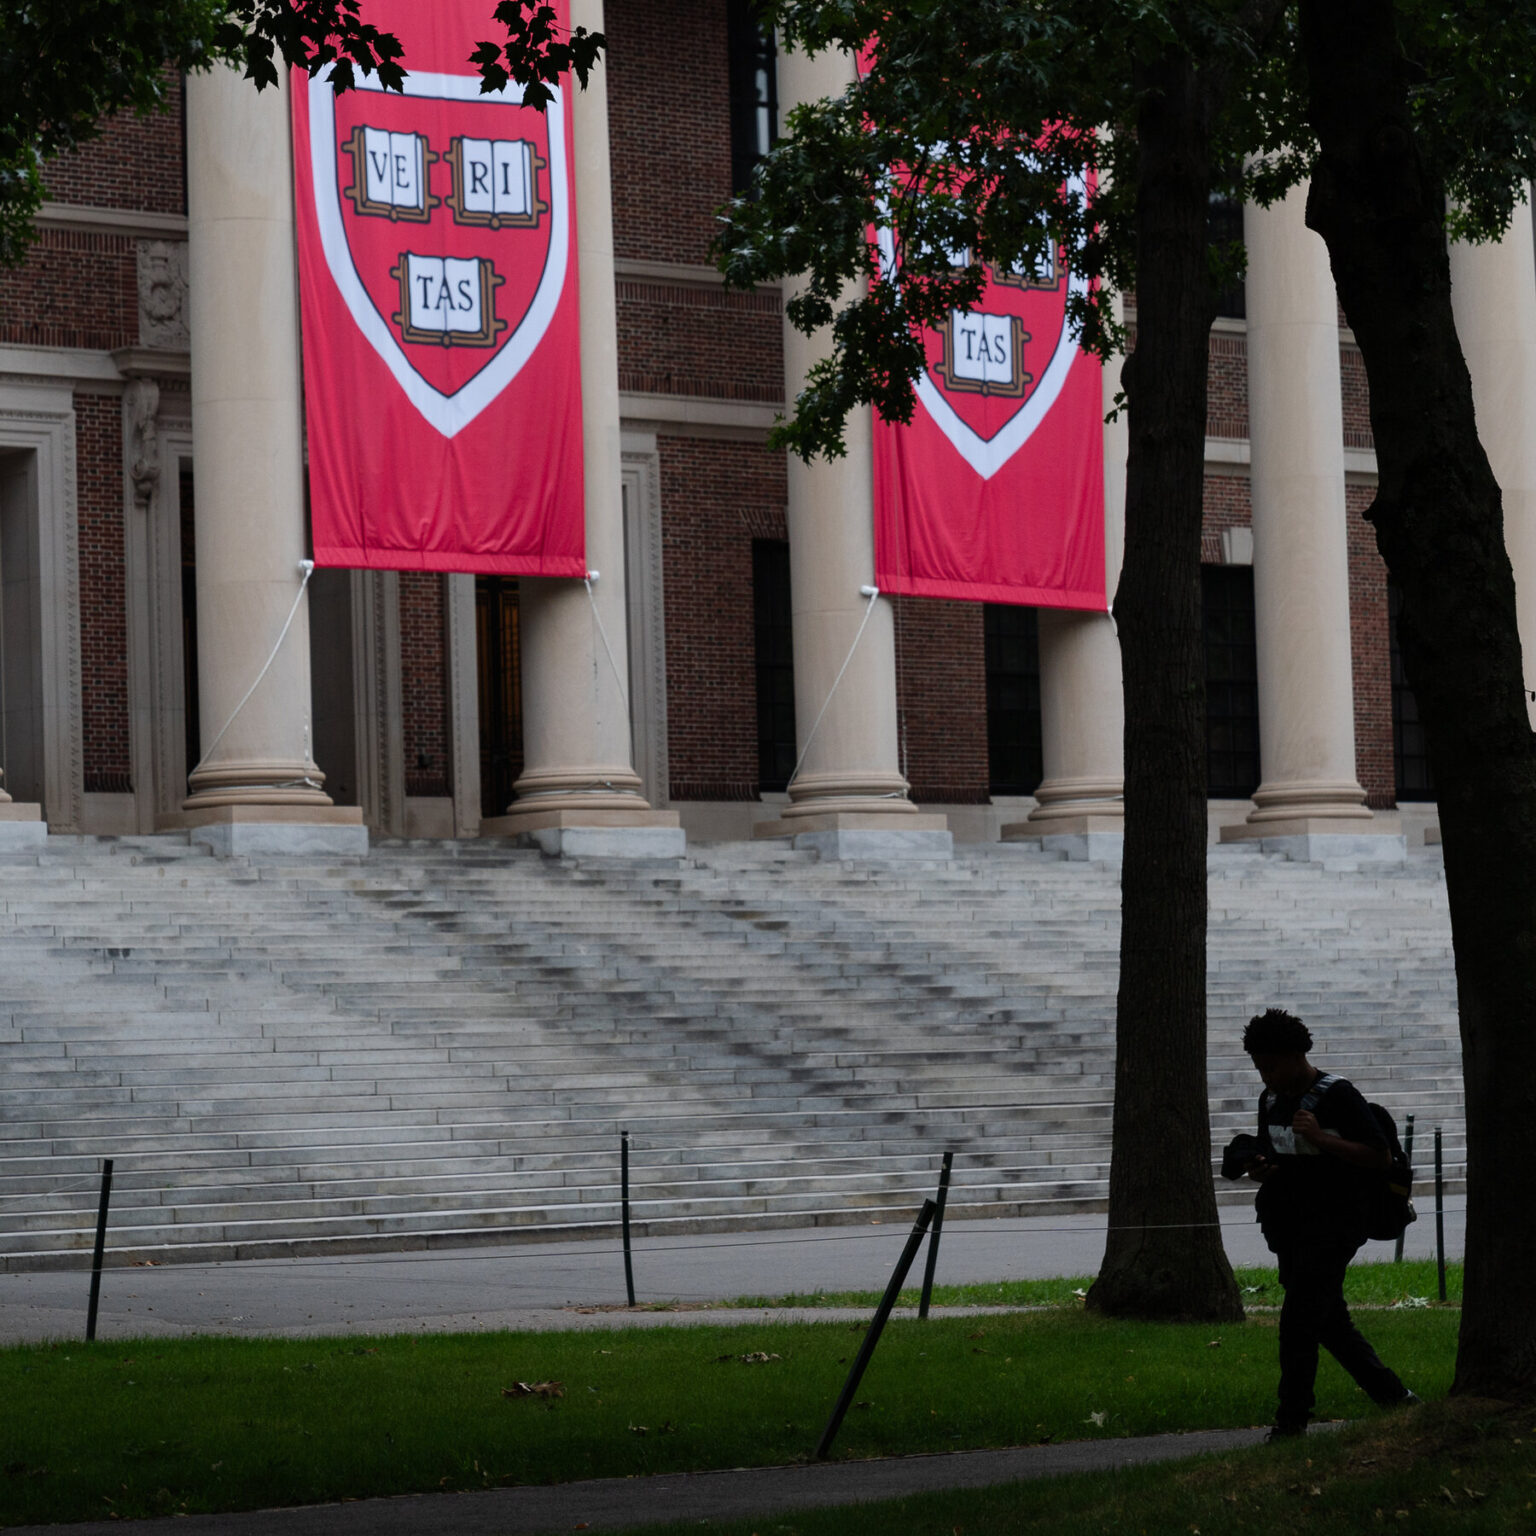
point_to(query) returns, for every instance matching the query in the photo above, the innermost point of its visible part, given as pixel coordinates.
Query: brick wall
(941, 684)
(103, 593)
(423, 683)
(75, 290)
(685, 340)
(669, 127)
(135, 163)
(1226, 411)
(1370, 649)
(1227, 505)
(1357, 399)
(716, 497)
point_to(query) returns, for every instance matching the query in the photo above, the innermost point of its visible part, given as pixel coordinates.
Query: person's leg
(1339, 1336)
(1300, 1319)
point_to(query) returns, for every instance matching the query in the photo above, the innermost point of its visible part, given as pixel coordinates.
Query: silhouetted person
(1317, 1139)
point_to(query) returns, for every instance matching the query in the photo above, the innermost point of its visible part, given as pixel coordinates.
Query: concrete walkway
(617, 1503)
(574, 1285)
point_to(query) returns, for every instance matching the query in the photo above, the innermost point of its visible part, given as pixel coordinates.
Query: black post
(629, 1268)
(1439, 1214)
(875, 1329)
(1397, 1256)
(101, 1243)
(933, 1240)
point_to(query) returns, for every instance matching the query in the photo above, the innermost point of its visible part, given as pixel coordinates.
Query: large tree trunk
(1440, 527)
(1164, 1257)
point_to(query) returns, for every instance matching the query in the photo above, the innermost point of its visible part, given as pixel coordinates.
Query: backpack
(1386, 1203)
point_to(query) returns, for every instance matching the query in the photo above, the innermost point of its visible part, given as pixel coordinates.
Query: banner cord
(873, 594)
(629, 724)
(308, 568)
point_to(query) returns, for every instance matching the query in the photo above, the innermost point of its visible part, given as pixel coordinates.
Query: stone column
(849, 798)
(1081, 809)
(1493, 294)
(1309, 803)
(579, 792)
(260, 788)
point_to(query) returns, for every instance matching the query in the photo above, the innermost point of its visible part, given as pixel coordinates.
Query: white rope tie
(308, 568)
(872, 593)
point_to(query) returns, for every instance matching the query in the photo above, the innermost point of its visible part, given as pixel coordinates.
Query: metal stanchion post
(876, 1328)
(1439, 1214)
(1397, 1255)
(629, 1267)
(933, 1238)
(101, 1244)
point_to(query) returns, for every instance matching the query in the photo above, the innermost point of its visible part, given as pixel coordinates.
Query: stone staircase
(440, 1044)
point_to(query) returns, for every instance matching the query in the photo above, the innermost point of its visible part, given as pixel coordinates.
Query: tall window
(775, 658)
(754, 93)
(1224, 226)
(1012, 638)
(498, 647)
(1231, 682)
(1410, 753)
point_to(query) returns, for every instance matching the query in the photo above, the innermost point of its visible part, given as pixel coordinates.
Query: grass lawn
(1464, 1467)
(1381, 1285)
(159, 1426)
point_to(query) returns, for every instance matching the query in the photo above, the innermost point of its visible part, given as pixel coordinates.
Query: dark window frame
(773, 663)
(753, 90)
(1231, 681)
(1412, 780)
(1011, 646)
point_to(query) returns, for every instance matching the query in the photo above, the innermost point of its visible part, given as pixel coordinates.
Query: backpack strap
(1316, 1091)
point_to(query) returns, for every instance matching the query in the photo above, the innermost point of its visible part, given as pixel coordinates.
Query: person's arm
(1362, 1154)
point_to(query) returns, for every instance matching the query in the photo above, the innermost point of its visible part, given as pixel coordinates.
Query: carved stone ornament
(163, 294)
(141, 405)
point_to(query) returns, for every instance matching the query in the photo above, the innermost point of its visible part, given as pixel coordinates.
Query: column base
(230, 830)
(1085, 838)
(22, 827)
(595, 833)
(864, 834)
(1308, 839)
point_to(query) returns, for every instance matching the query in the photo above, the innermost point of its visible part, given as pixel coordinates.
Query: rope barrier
(960, 1229)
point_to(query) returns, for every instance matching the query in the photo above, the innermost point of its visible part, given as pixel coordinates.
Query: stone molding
(647, 615)
(132, 222)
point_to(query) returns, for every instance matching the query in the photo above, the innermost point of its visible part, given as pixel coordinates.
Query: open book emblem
(445, 219)
(994, 372)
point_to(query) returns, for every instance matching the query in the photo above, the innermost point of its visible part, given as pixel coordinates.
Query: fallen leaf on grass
(1097, 1419)
(534, 1389)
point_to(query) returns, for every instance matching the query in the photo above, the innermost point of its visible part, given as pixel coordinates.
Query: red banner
(437, 274)
(995, 490)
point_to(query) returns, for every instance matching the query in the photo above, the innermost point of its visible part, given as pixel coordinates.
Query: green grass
(1381, 1285)
(159, 1426)
(1451, 1469)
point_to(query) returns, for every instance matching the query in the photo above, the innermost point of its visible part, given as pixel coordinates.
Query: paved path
(615, 1503)
(570, 1285)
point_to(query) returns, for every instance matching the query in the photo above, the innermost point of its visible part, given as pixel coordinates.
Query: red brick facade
(679, 335)
(77, 289)
(423, 683)
(668, 107)
(716, 497)
(136, 163)
(941, 698)
(103, 592)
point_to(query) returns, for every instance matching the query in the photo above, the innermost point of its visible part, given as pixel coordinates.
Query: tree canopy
(68, 65)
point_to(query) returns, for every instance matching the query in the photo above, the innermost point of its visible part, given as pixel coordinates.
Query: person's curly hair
(1276, 1033)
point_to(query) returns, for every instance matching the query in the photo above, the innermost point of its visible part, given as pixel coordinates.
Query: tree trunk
(1164, 1257)
(1440, 528)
